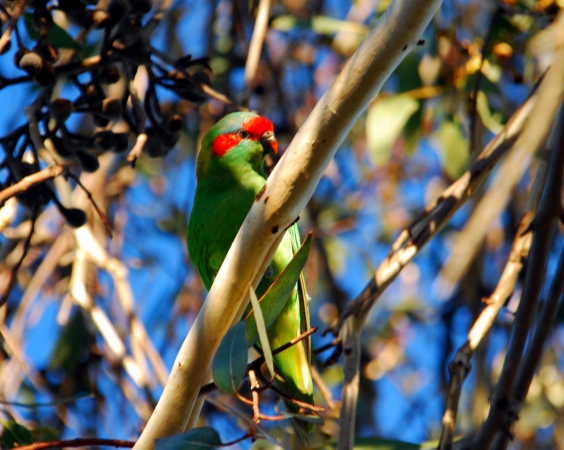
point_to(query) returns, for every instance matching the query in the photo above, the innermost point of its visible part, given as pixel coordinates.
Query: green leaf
(453, 149)
(56, 35)
(204, 438)
(490, 121)
(329, 25)
(230, 362)
(384, 123)
(306, 418)
(320, 25)
(15, 435)
(261, 328)
(277, 295)
(383, 444)
(73, 341)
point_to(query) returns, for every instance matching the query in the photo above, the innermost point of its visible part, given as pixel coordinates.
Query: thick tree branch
(286, 192)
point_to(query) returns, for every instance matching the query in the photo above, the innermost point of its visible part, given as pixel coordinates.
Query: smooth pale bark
(287, 191)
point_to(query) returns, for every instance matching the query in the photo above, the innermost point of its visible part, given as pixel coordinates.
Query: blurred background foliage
(92, 359)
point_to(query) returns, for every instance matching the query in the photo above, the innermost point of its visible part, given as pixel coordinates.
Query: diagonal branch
(286, 192)
(31, 180)
(255, 47)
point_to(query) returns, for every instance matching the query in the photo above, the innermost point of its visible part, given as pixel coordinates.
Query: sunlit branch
(550, 98)
(16, 12)
(255, 48)
(31, 180)
(460, 365)
(25, 248)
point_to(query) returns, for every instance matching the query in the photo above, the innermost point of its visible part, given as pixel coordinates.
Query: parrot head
(237, 140)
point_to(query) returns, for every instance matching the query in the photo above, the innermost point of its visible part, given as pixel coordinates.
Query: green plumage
(226, 190)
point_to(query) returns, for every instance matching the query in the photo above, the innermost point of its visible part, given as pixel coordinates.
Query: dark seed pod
(121, 142)
(104, 141)
(108, 75)
(174, 124)
(88, 161)
(46, 75)
(31, 62)
(81, 17)
(111, 108)
(153, 147)
(100, 121)
(61, 109)
(107, 14)
(41, 17)
(73, 216)
(37, 196)
(129, 29)
(62, 149)
(141, 6)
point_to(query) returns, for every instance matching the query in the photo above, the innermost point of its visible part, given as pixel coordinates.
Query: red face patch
(225, 142)
(255, 127)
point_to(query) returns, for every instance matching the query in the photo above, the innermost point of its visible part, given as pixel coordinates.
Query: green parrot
(230, 173)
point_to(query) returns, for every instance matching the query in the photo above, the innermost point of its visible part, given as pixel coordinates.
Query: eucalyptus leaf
(491, 121)
(320, 25)
(261, 328)
(14, 434)
(274, 299)
(310, 418)
(384, 123)
(453, 149)
(204, 438)
(56, 35)
(230, 362)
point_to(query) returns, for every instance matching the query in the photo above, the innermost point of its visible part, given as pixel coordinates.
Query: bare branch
(31, 180)
(16, 12)
(255, 48)
(460, 365)
(550, 97)
(15, 269)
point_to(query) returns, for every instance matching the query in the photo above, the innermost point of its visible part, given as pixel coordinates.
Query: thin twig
(323, 389)
(16, 12)
(102, 216)
(31, 180)
(137, 149)
(550, 97)
(255, 48)
(460, 365)
(255, 394)
(62, 401)
(308, 406)
(81, 442)
(261, 416)
(14, 272)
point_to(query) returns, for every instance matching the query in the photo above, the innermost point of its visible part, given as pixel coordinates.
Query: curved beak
(269, 142)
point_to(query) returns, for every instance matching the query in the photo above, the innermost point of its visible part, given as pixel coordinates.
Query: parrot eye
(243, 134)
